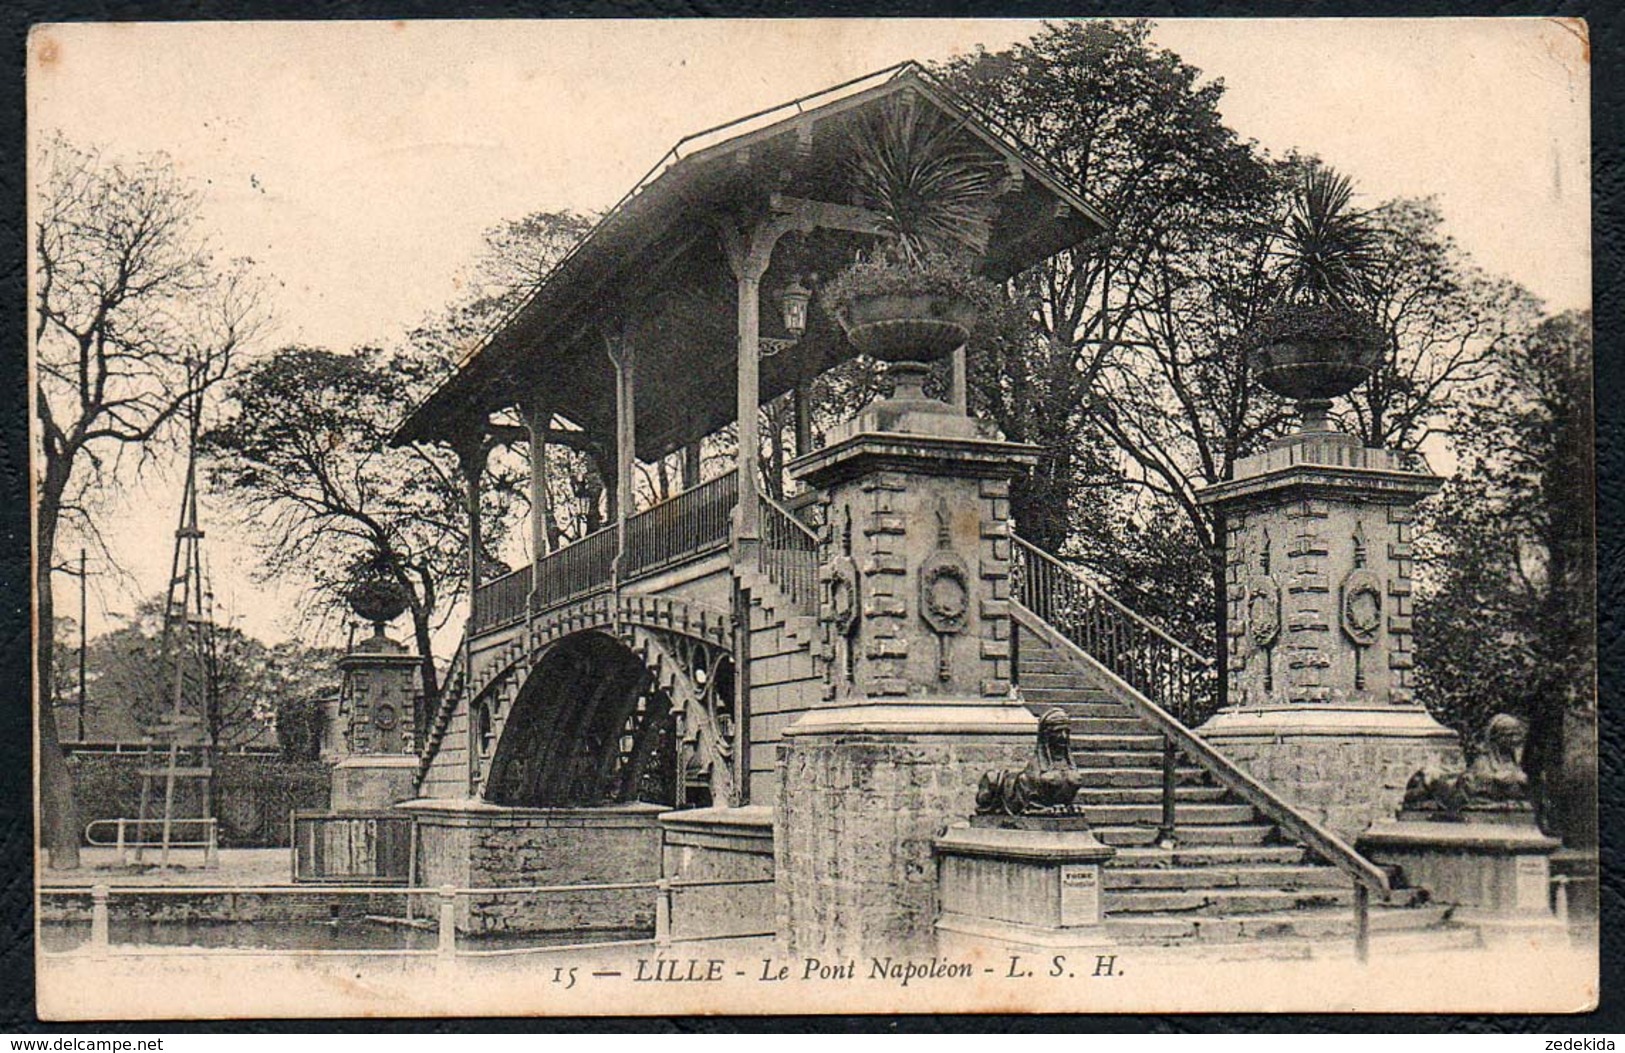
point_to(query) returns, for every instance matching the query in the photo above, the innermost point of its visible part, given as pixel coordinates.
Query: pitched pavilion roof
(655, 265)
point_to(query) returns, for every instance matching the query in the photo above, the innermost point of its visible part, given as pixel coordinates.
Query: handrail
(1319, 840)
(788, 555)
(673, 531)
(1030, 549)
(1139, 652)
(501, 600)
(589, 559)
(445, 926)
(456, 674)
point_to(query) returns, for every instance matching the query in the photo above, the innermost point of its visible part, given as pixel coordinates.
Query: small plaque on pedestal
(1020, 883)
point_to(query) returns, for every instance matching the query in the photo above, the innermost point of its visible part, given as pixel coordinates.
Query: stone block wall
(720, 844)
(1295, 578)
(476, 846)
(784, 682)
(1344, 782)
(855, 826)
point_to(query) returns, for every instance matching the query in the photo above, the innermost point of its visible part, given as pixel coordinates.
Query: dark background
(16, 747)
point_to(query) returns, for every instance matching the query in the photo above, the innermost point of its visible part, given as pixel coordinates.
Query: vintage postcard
(813, 516)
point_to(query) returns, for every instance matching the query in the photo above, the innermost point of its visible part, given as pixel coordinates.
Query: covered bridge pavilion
(666, 324)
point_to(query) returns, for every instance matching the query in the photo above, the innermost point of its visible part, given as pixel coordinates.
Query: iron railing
(788, 555)
(1171, 674)
(694, 522)
(1179, 740)
(579, 569)
(502, 601)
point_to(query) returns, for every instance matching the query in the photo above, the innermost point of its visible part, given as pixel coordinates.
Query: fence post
(211, 850)
(447, 945)
(99, 940)
(1362, 923)
(663, 893)
(1560, 897)
(123, 860)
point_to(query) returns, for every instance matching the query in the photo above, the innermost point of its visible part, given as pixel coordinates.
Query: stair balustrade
(788, 555)
(1169, 687)
(1173, 675)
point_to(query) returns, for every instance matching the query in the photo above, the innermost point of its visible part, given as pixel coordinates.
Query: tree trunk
(59, 811)
(431, 679)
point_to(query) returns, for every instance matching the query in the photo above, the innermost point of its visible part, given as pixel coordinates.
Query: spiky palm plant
(1328, 251)
(907, 163)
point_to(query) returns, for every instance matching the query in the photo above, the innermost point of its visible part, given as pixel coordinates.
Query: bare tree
(133, 321)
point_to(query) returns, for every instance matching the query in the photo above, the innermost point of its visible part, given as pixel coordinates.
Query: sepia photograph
(812, 516)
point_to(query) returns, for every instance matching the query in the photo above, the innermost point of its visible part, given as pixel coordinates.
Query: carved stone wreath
(945, 593)
(1263, 611)
(1361, 607)
(841, 574)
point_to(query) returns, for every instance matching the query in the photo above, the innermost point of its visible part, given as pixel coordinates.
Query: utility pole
(83, 643)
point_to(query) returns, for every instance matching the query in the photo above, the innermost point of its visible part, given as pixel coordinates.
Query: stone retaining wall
(471, 844)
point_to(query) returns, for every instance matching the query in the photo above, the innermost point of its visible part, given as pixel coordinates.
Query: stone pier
(1322, 708)
(915, 658)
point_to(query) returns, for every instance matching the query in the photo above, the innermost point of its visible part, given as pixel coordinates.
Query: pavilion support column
(803, 420)
(471, 458)
(747, 519)
(691, 466)
(541, 504)
(624, 359)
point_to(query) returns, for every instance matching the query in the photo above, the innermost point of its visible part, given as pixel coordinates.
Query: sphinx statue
(1494, 780)
(1046, 786)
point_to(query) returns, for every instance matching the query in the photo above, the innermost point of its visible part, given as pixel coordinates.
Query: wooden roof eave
(613, 247)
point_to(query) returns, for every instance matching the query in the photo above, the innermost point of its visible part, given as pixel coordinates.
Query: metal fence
(442, 902)
(362, 848)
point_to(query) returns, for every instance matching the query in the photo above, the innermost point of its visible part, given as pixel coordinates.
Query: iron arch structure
(614, 715)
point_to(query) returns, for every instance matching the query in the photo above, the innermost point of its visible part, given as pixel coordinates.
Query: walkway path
(238, 867)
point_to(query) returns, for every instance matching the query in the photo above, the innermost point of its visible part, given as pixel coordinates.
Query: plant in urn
(374, 594)
(1315, 344)
(913, 300)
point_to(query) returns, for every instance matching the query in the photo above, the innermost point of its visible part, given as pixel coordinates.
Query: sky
(358, 164)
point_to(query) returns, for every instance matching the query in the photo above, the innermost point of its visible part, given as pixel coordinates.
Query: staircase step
(1144, 835)
(1062, 678)
(1315, 924)
(1133, 741)
(1150, 760)
(1068, 697)
(1184, 815)
(1103, 775)
(1106, 725)
(1222, 902)
(1217, 876)
(1093, 795)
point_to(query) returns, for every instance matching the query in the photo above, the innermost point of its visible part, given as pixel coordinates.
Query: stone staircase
(1230, 876)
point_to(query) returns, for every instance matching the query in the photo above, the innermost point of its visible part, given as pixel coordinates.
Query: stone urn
(1313, 353)
(904, 327)
(376, 598)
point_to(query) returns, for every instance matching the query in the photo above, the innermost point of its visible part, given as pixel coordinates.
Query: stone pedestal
(914, 655)
(373, 781)
(1493, 865)
(1020, 884)
(1322, 709)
